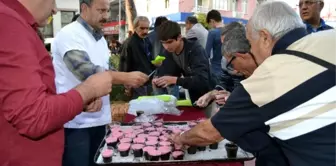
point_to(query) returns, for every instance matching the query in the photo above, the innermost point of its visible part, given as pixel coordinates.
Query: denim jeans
(81, 145)
(145, 90)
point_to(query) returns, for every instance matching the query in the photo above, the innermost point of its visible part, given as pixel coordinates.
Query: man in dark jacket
(139, 54)
(157, 48)
(186, 62)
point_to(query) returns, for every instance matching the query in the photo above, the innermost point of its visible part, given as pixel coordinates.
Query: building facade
(241, 9)
(66, 10)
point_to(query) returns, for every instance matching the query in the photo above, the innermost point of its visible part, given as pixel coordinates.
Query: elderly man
(234, 41)
(80, 50)
(287, 103)
(310, 11)
(196, 31)
(32, 114)
(139, 54)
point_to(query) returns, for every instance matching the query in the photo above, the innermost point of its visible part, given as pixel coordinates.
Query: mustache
(103, 21)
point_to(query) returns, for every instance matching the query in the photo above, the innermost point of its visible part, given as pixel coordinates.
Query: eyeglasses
(229, 65)
(308, 3)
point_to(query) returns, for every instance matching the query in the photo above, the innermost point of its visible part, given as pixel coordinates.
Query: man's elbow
(32, 132)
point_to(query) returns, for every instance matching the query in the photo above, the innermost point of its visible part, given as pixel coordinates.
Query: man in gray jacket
(196, 31)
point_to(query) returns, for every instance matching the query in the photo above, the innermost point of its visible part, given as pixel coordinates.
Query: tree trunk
(130, 13)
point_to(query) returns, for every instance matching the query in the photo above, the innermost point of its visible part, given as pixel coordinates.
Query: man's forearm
(119, 78)
(212, 94)
(201, 135)
(86, 92)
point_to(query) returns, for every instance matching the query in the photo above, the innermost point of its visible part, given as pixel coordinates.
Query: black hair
(192, 20)
(168, 30)
(233, 25)
(159, 21)
(215, 15)
(87, 2)
(74, 18)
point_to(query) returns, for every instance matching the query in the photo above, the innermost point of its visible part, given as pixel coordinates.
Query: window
(148, 5)
(166, 4)
(199, 2)
(244, 5)
(48, 30)
(66, 17)
(221, 4)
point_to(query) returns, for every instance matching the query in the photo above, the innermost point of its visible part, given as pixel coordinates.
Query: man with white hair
(139, 54)
(288, 102)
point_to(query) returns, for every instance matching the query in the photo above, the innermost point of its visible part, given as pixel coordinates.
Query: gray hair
(234, 42)
(233, 25)
(277, 17)
(138, 19)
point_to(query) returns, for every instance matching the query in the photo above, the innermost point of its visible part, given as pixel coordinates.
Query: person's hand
(128, 91)
(94, 106)
(165, 81)
(221, 97)
(100, 83)
(176, 139)
(136, 79)
(157, 64)
(95, 86)
(204, 100)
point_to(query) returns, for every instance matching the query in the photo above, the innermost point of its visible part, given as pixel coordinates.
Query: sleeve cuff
(179, 81)
(77, 101)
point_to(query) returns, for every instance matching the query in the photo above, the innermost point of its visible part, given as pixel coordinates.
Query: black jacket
(136, 58)
(228, 81)
(197, 79)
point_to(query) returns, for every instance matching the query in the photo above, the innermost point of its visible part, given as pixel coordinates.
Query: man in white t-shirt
(79, 51)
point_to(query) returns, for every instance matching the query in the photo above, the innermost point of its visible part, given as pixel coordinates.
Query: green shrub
(117, 93)
(201, 18)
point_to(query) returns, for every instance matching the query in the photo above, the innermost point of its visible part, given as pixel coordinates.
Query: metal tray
(209, 155)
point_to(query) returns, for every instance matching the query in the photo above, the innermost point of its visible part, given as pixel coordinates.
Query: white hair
(138, 19)
(277, 17)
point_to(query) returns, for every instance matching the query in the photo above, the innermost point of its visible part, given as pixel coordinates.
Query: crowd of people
(273, 81)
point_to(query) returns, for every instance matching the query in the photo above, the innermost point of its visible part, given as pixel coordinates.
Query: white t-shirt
(75, 37)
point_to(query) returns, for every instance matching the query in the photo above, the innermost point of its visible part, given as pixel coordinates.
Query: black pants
(81, 145)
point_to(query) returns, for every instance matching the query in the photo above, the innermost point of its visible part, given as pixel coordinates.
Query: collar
(22, 11)
(310, 27)
(137, 36)
(289, 39)
(96, 34)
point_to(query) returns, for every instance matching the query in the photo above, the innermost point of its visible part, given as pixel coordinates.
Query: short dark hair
(74, 18)
(168, 30)
(192, 20)
(87, 2)
(215, 15)
(233, 25)
(159, 21)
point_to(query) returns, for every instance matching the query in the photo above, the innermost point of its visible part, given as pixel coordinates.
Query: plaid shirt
(78, 62)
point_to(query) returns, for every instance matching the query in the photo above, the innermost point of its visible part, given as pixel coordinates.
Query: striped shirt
(285, 112)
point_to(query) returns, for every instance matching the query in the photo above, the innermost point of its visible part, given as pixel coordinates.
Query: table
(189, 113)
